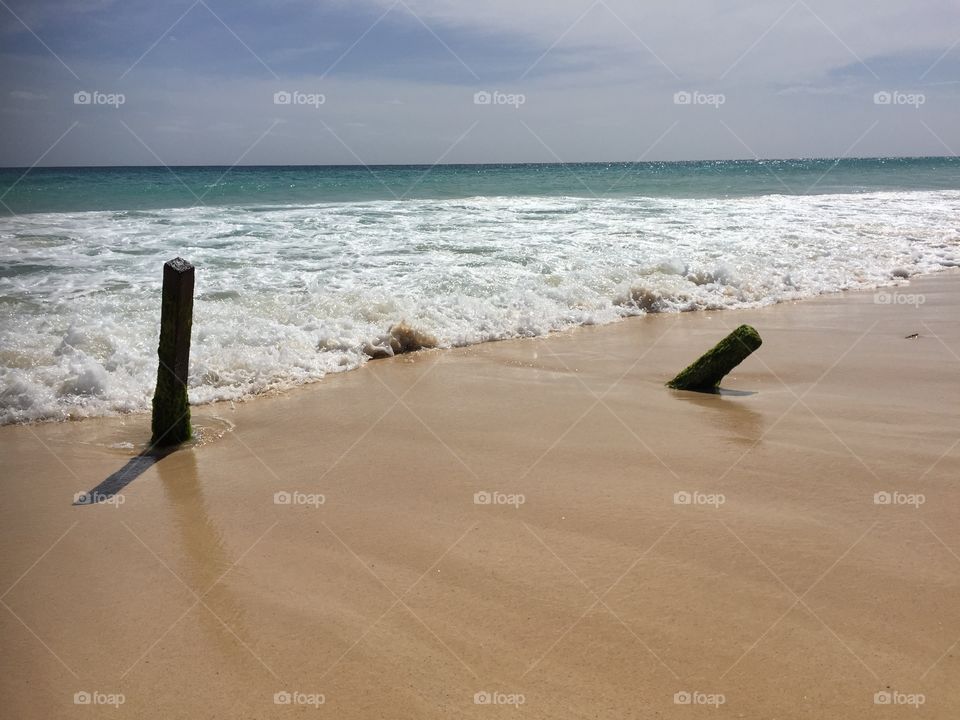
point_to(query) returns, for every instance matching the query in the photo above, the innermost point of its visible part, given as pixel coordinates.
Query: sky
(279, 82)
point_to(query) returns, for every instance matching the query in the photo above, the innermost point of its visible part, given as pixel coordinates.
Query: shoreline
(896, 282)
(796, 596)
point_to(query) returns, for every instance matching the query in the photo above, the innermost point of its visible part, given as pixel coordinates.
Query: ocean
(300, 269)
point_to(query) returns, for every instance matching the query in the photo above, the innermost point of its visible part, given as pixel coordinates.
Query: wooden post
(171, 408)
(707, 372)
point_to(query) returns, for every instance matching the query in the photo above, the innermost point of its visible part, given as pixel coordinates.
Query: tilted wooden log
(707, 372)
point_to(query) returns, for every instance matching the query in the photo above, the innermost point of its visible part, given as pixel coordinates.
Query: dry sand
(598, 597)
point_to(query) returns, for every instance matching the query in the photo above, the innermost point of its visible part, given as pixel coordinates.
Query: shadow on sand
(115, 483)
(725, 391)
(740, 423)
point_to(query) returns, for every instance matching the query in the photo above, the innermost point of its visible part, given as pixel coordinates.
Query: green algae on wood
(171, 407)
(707, 372)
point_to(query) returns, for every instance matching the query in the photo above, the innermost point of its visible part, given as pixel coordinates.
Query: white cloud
(601, 95)
(704, 38)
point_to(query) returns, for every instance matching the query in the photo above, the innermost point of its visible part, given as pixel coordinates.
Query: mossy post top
(178, 264)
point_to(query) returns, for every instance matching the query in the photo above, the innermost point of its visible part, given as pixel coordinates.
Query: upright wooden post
(171, 408)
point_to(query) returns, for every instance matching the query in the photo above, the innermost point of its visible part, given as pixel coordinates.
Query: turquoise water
(149, 188)
(302, 271)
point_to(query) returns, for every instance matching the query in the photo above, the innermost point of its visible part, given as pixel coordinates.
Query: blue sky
(571, 80)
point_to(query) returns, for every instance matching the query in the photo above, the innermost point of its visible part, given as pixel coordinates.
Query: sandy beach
(535, 527)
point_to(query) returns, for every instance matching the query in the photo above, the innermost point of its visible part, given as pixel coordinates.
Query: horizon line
(488, 164)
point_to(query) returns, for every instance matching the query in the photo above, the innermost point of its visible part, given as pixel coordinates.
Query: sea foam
(287, 294)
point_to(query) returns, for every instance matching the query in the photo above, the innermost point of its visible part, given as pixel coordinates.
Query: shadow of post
(203, 564)
(743, 424)
(115, 483)
(720, 391)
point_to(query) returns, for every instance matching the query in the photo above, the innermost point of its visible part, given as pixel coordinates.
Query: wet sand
(783, 590)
